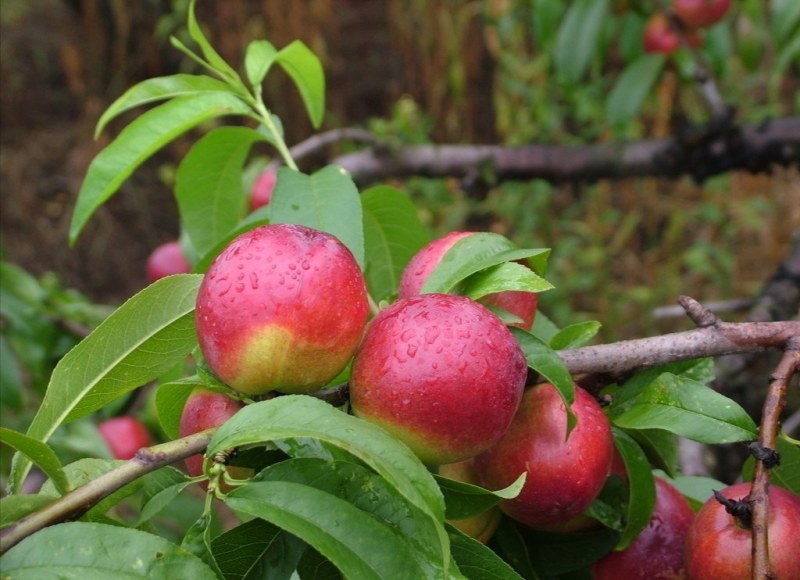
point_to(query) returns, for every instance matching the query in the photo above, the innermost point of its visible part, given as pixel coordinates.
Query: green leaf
(299, 416)
(661, 448)
(10, 377)
(477, 252)
(360, 545)
(578, 37)
(93, 551)
(632, 87)
(642, 490)
(15, 507)
(314, 566)
(547, 363)
(141, 139)
(697, 489)
(86, 470)
(326, 200)
(553, 555)
(463, 500)
(785, 19)
(393, 234)
(211, 55)
(257, 218)
(700, 370)
(208, 185)
(170, 400)
(543, 328)
(512, 547)
(689, 409)
(305, 70)
(170, 483)
(257, 549)
(502, 277)
(159, 89)
(40, 454)
(371, 493)
(574, 335)
(476, 560)
(141, 340)
(197, 540)
(258, 59)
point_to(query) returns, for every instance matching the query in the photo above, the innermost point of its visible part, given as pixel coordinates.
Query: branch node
(769, 457)
(698, 313)
(741, 509)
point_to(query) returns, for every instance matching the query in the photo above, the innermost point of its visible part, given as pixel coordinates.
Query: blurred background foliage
(418, 71)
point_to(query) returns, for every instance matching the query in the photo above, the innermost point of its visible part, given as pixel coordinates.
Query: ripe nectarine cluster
(284, 309)
(661, 35)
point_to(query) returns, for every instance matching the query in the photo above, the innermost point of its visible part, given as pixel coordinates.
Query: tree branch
(77, 502)
(768, 434)
(699, 152)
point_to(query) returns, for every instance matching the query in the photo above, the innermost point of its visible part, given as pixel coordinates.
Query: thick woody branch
(768, 434)
(699, 152)
(77, 502)
(619, 358)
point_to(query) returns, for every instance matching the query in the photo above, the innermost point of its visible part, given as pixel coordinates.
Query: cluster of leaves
(331, 491)
(575, 69)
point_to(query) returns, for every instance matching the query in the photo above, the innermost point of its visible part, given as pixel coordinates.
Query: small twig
(733, 305)
(322, 140)
(768, 434)
(700, 315)
(77, 502)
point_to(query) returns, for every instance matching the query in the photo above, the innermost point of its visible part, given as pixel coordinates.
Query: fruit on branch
(204, 409)
(166, 260)
(564, 475)
(480, 526)
(261, 193)
(124, 436)
(441, 373)
(719, 545)
(520, 304)
(658, 550)
(283, 308)
(660, 36)
(700, 13)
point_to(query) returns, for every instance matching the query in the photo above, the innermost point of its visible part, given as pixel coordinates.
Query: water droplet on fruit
(305, 265)
(292, 266)
(411, 350)
(239, 287)
(253, 281)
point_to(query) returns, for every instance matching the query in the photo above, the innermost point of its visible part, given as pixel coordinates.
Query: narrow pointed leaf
(159, 89)
(257, 549)
(503, 277)
(642, 490)
(360, 545)
(476, 560)
(574, 335)
(478, 252)
(208, 185)
(547, 363)
(141, 340)
(211, 55)
(689, 409)
(632, 86)
(464, 500)
(578, 37)
(299, 416)
(141, 139)
(39, 453)
(393, 233)
(94, 551)
(327, 200)
(306, 71)
(258, 59)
